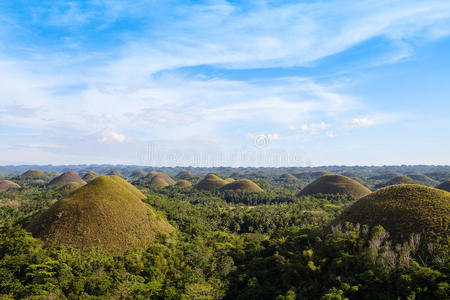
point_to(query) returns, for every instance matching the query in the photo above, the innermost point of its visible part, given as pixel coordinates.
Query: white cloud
(110, 136)
(312, 128)
(371, 120)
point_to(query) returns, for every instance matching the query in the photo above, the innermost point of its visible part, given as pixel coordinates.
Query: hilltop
(402, 210)
(157, 179)
(211, 182)
(66, 178)
(184, 174)
(32, 175)
(335, 184)
(183, 183)
(89, 176)
(108, 212)
(288, 177)
(400, 179)
(243, 185)
(7, 184)
(444, 186)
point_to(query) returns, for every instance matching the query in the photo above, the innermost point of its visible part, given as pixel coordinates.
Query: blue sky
(201, 83)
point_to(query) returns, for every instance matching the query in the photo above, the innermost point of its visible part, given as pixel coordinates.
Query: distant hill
(158, 179)
(66, 178)
(439, 175)
(183, 183)
(139, 173)
(402, 210)
(400, 179)
(243, 185)
(288, 177)
(32, 175)
(184, 174)
(444, 186)
(211, 182)
(89, 176)
(115, 173)
(310, 175)
(385, 176)
(107, 212)
(7, 184)
(335, 184)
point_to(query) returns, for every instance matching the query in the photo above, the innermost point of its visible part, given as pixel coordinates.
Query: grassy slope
(244, 185)
(7, 184)
(335, 184)
(444, 186)
(107, 212)
(211, 182)
(66, 178)
(402, 210)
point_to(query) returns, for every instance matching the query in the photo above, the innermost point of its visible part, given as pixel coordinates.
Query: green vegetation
(66, 178)
(184, 174)
(444, 186)
(107, 212)
(243, 185)
(288, 177)
(183, 183)
(110, 239)
(335, 184)
(403, 210)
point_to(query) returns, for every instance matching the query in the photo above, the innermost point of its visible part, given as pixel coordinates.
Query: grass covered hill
(183, 183)
(335, 184)
(66, 178)
(185, 174)
(243, 185)
(89, 176)
(33, 175)
(115, 172)
(108, 212)
(400, 179)
(211, 182)
(139, 173)
(150, 178)
(402, 210)
(423, 179)
(7, 184)
(444, 186)
(288, 177)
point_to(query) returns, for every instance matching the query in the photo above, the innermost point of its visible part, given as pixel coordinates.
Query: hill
(335, 184)
(66, 178)
(183, 183)
(402, 210)
(149, 179)
(400, 179)
(158, 181)
(310, 175)
(33, 175)
(108, 212)
(184, 174)
(229, 180)
(243, 185)
(211, 182)
(423, 179)
(89, 176)
(444, 186)
(139, 173)
(288, 177)
(385, 176)
(6, 185)
(115, 173)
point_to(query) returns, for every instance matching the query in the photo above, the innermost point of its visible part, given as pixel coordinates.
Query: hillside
(402, 210)
(423, 179)
(288, 177)
(444, 186)
(400, 179)
(66, 178)
(184, 174)
(89, 176)
(149, 179)
(183, 183)
(107, 212)
(33, 175)
(7, 184)
(243, 185)
(211, 182)
(335, 184)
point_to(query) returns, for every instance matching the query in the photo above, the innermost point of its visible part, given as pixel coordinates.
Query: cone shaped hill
(33, 175)
(108, 212)
(402, 210)
(444, 186)
(211, 182)
(288, 177)
(335, 184)
(243, 185)
(6, 185)
(66, 178)
(185, 174)
(157, 179)
(183, 183)
(89, 175)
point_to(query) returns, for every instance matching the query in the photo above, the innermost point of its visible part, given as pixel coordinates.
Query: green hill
(444, 186)
(149, 179)
(402, 210)
(115, 172)
(243, 185)
(89, 176)
(288, 177)
(184, 174)
(400, 179)
(211, 182)
(183, 183)
(439, 175)
(158, 181)
(335, 184)
(423, 179)
(108, 212)
(138, 173)
(33, 175)
(385, 176)
(65, 178)
(6, 185)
